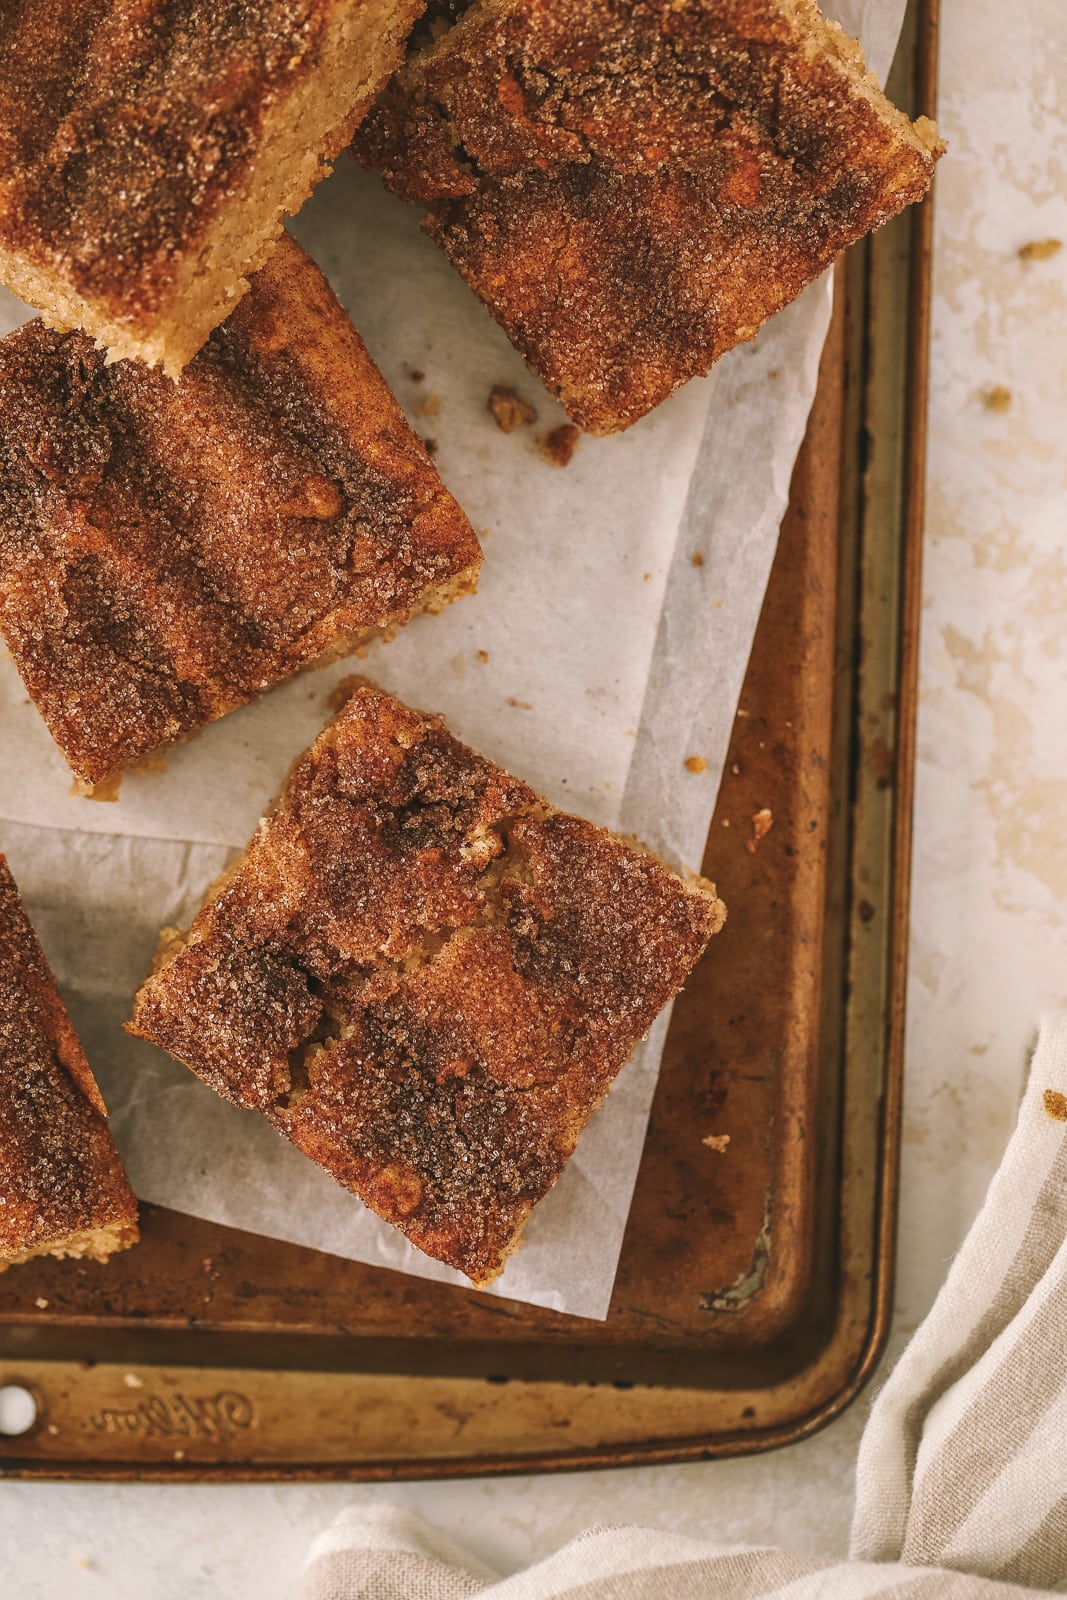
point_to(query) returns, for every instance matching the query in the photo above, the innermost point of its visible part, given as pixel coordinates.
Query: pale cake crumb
(762, 822)
(509, 409)
(558, 446)
(716, 1141)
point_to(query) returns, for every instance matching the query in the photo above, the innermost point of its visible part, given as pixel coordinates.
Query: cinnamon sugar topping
(634, 188)
(426, 977)
(168, 551)
(62, 1187)
(150, 152)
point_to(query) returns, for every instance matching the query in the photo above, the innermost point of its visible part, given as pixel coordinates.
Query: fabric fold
(961, 1487)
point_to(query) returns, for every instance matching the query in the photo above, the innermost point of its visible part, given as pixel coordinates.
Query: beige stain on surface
(1028, 809)
(992, 542)
(1000, 549)
(973, 663)
(1047, 590)
(1015, 442)
(927, 966)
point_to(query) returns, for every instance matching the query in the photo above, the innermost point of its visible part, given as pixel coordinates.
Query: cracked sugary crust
(150, 151)
(633, 188)
(167, 551)
(63, 1190)
(426, 977)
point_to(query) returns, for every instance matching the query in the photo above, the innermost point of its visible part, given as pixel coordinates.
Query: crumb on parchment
(559, 446)
(696, 764)
(509, 409)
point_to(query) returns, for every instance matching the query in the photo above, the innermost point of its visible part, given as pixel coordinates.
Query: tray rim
(725, 1444)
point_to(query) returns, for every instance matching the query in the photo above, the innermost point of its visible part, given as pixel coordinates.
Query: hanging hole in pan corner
(18, 1410)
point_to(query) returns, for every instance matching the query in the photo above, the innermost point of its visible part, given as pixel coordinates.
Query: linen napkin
(962, 1474)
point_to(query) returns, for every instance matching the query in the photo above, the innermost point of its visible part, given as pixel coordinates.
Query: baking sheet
(612, 657)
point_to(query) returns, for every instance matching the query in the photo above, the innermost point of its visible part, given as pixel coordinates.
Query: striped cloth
(961, 1489)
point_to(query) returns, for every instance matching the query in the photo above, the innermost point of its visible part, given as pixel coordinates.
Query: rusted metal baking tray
(754, 1289)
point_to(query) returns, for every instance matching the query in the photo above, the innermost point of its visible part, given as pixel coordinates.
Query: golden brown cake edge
(71, 1201)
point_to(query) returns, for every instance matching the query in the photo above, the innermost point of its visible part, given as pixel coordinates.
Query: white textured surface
(989, 911)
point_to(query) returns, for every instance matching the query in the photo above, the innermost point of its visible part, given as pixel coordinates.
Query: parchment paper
(611, 659)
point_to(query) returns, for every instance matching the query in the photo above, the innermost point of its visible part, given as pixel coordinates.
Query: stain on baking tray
(880, 759)
(747, 1285)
